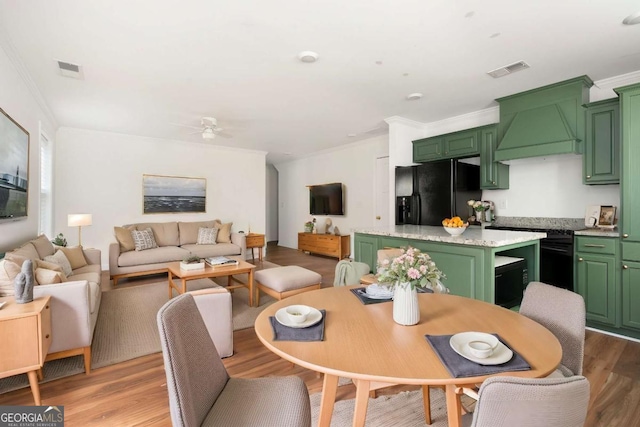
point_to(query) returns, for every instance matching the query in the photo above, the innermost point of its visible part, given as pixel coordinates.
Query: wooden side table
(25, 334)
(255, 240)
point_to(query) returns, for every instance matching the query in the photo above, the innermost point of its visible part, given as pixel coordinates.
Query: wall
(21, 102)
(101, 173)
(272, 204)
(353, 165)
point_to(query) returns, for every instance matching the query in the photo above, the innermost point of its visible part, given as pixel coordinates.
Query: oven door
(556, 264)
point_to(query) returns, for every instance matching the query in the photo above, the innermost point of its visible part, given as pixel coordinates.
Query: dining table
(362, 342)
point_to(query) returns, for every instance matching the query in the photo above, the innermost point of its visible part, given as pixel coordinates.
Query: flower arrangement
(191, 259)
(476, 205)
(413, 267)
(308, 226)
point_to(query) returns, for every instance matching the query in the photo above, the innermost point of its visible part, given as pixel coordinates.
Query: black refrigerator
(428, 193)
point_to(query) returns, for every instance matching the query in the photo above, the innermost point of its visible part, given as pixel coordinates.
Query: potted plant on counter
(192, 262)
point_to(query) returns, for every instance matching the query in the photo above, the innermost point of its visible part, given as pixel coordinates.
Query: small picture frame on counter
(607, 216)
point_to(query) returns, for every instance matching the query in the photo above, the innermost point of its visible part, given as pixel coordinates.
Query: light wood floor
(134, 393)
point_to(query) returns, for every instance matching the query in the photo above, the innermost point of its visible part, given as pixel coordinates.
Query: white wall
(353, 165)
(20, 103)
(101, 173)
(272, 204)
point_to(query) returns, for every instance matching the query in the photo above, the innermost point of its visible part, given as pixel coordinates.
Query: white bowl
(455, 231)
(298, 313)
(483, 348)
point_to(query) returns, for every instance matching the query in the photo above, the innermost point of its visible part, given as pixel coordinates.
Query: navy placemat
(460, 367)
(286, 333)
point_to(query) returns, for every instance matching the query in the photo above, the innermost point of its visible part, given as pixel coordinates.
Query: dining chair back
(200, 389)
(563, 313)
(532, 402)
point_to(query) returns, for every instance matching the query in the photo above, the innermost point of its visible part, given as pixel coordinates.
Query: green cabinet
(493, 175)
(366, 250)
(428, 149)
(602, 145)
(631, 295)
(629, 166)
(597, 278)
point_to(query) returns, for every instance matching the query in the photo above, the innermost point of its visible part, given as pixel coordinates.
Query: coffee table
(229, 271)
(362, 342)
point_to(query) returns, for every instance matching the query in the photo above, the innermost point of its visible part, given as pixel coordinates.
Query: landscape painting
(14, 168)
(173, 194)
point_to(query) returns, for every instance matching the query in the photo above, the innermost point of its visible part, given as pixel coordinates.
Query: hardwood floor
(134, 393)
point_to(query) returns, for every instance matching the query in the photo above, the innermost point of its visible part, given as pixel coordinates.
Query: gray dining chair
(563, 313)
(530, 402)
(201, 393)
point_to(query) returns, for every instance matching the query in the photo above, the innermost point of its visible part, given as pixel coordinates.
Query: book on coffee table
(220, 260)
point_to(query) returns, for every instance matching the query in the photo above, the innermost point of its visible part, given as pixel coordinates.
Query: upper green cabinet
(543, 121)
(602, 144)
(493, 175)
(428, 149)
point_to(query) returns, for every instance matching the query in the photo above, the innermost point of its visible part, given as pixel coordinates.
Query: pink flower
(423, 269)
(413, 273)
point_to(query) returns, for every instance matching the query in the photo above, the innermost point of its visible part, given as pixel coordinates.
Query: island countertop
(473, 235)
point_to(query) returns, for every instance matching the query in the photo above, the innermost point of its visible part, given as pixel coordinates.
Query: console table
(325, 244)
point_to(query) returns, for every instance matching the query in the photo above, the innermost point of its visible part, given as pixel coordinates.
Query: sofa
(173, 242)
(75, 297)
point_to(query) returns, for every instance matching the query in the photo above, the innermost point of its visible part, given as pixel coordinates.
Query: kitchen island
(467, 260)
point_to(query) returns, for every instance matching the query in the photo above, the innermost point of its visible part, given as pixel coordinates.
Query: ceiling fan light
(208, 134)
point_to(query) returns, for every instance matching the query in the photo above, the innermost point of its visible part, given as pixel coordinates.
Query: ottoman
(282, 282)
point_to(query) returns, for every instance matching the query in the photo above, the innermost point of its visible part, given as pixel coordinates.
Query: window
(46, 186)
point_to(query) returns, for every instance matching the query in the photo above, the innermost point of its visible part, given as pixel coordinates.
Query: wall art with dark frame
(14, 169)
(173, 194)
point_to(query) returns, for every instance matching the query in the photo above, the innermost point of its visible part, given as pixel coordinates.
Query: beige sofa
(175, 241)
(75, 302)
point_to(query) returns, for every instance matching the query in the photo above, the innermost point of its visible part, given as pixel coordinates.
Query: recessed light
(494, 35)
(378, 62)
(351, 135)
(414, 96)
(288, 153)
(405, 74)
(632, 19)
(308, 56)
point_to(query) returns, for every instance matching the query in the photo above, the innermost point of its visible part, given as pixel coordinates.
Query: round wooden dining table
(362, 342)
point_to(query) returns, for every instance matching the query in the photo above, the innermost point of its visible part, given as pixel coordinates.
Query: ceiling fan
(208, 128)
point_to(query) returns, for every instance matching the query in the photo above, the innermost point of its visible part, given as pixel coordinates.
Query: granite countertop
(598, 232)
(473, 236)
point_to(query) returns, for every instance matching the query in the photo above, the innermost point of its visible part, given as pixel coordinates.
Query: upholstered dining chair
(563, 313)
(531, 402)
(201, 393)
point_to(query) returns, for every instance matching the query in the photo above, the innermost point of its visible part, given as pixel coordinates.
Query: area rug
(402, 409)
(126, 327)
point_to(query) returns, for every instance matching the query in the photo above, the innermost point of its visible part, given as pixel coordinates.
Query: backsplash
(540, 222)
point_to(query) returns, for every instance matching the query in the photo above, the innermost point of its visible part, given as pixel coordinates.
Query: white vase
(406, 310)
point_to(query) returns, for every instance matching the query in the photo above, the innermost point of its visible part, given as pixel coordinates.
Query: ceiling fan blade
(194, 133)
(186, 126)
(224, 134)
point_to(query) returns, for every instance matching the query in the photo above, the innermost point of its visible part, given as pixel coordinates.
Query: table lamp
(78, 220)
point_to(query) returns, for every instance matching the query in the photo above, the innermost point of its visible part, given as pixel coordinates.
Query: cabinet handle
(624, 236)
(378, 217)
(591, 245)
(625, 267)
(493, 182)
(580, 259)
(46, 336)
(588, 176)
(46, 307)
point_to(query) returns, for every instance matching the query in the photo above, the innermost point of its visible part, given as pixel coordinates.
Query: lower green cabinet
(631, 295)
(366, 250)
(597, 282)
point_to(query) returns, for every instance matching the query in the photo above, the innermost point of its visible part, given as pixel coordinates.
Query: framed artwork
(173, 194)
(607, 215)
(14, 169)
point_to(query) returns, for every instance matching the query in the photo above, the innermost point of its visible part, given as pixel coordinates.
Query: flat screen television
(14, 165)
(326, 199)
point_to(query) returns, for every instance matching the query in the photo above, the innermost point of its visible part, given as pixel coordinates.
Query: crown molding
(9, 49)
(464, 121)
(618, 81)
(405, 121)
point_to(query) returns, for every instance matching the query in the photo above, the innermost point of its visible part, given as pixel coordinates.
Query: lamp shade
(78, 220)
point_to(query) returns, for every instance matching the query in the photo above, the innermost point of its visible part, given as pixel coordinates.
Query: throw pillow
(224, 232)
(6, 284)
(123, 236)
(11, 268)
(47, 265)
(48, 277)
(143, 239)
(207, 236)
(61, 259)
(75, 255)
(43, 246)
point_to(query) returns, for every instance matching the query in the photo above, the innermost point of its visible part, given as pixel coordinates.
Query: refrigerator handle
(415, 209)
(454, 178)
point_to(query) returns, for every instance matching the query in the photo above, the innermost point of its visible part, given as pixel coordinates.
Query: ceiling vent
(508, 69)
(68, 69)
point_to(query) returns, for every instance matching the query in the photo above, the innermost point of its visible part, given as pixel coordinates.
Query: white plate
(366, 295)
(2, 303)
(458, 342)
(376, 291)
(314, 317)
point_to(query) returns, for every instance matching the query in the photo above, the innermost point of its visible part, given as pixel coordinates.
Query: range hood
(545, 121)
